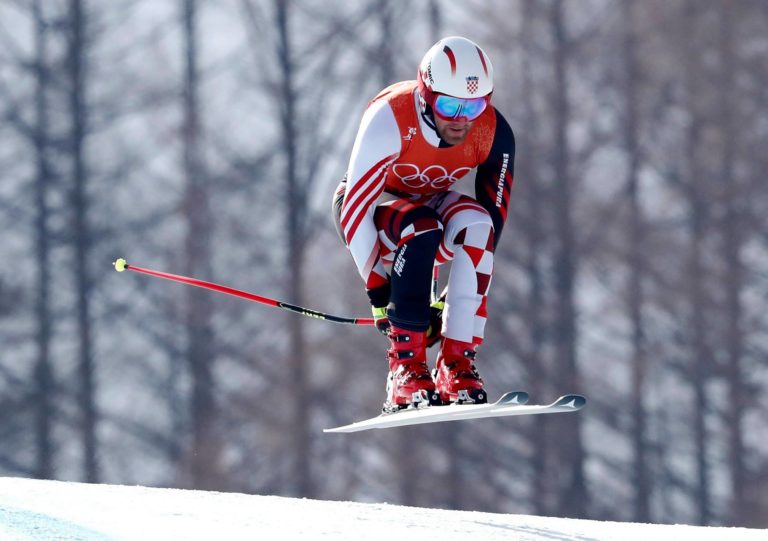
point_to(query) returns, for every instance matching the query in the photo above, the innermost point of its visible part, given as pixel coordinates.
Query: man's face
(453, 132)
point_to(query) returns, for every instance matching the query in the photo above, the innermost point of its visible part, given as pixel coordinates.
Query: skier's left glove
(381, 320)
(379, 297)
(434, 332)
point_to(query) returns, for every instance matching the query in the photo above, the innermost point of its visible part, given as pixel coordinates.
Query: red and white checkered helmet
(457, 67)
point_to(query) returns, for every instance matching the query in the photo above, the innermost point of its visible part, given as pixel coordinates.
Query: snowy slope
(49, 510)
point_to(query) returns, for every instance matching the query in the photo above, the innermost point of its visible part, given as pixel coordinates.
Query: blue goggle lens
(450, 108)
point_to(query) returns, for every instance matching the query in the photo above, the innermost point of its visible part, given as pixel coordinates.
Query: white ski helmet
(457, 67)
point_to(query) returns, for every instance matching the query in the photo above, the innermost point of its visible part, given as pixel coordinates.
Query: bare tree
(82, 236)
(733, 242)
(533, 358)
(295, 206)
(573, 494)
(200, 353)
(44, 384)
(701, 356)
(636, 252)
(435, 17)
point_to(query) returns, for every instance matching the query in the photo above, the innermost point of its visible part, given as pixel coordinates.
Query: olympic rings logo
(436, 176)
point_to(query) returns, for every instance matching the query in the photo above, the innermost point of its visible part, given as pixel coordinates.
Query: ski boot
(409, 384)
(456, 378)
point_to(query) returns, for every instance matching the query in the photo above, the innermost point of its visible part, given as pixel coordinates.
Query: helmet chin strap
(429, 119)
(426, 113)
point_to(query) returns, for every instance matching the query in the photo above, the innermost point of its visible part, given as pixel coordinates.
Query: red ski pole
(121, 265)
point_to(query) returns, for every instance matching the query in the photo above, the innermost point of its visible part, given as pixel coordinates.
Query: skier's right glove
(434, 332)
(381, 320)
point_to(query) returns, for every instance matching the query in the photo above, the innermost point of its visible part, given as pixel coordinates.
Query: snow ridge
(32, 510)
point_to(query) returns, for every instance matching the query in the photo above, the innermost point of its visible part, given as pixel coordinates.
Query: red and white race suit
(399, 161)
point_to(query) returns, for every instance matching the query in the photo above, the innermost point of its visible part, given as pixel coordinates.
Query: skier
(399, 215)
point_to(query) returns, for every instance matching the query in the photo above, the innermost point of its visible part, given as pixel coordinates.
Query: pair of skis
(511, 404)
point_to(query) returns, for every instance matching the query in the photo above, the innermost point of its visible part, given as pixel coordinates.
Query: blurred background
(205, 137)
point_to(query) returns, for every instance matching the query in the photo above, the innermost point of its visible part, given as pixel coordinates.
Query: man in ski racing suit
(399, 215)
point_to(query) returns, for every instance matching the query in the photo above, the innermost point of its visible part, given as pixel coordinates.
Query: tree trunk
(82, 239)
(203, 460)
(635, 256)
(733, 241)
(295, 206)
(435, 20)
(534, 239)
(700, 355)
(385, 57)
(44, 384)
(573, 493)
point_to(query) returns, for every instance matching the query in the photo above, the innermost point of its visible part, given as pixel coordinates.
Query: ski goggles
(450, 108)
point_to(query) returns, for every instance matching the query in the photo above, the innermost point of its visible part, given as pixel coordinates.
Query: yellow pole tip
(120, 265)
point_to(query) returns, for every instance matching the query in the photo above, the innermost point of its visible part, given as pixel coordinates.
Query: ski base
(510, 404)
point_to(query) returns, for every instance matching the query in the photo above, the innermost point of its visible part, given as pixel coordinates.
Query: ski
(511, 404)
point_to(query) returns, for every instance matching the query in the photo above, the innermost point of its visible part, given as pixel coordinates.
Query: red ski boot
(409, 383)
(456, 377)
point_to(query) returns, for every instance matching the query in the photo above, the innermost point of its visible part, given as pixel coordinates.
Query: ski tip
(513, 398)
(571, 401)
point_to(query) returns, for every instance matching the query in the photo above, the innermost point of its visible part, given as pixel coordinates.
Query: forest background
(206, 137)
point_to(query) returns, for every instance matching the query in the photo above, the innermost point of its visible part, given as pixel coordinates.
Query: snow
(53, 510)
